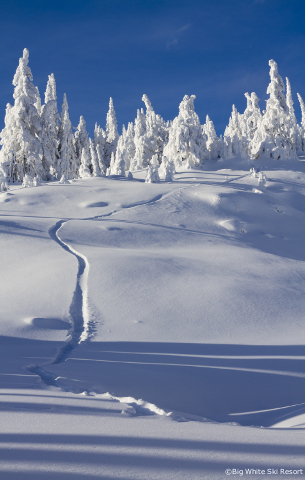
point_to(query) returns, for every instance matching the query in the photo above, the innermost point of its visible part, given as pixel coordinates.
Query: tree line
(38, 144)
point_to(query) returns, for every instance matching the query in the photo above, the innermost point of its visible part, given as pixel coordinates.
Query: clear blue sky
(216, 50)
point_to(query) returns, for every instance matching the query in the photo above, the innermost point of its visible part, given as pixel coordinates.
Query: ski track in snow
(82, 329)
(79, 309)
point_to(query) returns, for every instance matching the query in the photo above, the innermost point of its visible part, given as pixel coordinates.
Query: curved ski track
(81, 329)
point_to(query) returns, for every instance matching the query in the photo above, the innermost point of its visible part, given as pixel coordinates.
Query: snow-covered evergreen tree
(167, 169)
(243, 118)
(137, 160)
(83, 150)
(242, 127)
(117, 165)
(37, 181)
(81, 139)
(253, 119)
(233, 136)
(38, 103)
(63, 180)
(85, 164)
(153, 171)
(155, 134)
(111, 166)
(289, 100)
(302, 105)
(112, 134)
(8, 165)
(3, 185)
(99, 143)
(302, 127)
(67, 163)
(94, 160)
(295, 131)
(50, 129)
(151, 133)
(27, 181)
(129, 144)
(21, 151)
(212, 141)
(272, 137)
(186, 144)
(262, 179)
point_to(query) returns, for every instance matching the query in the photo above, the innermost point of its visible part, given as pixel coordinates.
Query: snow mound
(229, 225)
(93, 204)
(5, 197)
(48, 323)
(210, 198)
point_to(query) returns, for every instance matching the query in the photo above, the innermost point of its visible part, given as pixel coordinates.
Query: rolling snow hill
(147, 330)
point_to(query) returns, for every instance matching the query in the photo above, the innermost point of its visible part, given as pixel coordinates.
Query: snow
(86, 437)
(154, 330)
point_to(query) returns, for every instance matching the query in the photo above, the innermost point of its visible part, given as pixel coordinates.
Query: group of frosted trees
(273, 133)
(38, 144)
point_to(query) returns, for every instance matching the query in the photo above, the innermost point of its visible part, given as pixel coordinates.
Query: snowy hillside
(148, 328)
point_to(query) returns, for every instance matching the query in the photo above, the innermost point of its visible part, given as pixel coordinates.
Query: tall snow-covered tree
(81, 138)
(117, 166)
(139, 133)
(302, 104)
(152, 175)
(8, 165)
(243, 118)
(50, 128)
(38, 103)
(151, 132)
(111, 166)
(295, 131)
(253, 119)
(82, 149)
(96, 172)
(155, 135)
(243, 126)
(67, 163)
(85, 164)
(289, 100)
(111, 132)
(21, 151)
(233, 135)
(212, 141)
(302, 128)
(99, 143)
(167, 169)
(129, 145)
(186, 144)
(272, 137)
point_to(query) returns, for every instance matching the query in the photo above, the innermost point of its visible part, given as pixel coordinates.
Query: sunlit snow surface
(178, 308)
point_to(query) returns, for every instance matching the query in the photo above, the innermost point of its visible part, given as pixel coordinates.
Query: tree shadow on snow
(125, 455)
(222, 382)
(219, 382)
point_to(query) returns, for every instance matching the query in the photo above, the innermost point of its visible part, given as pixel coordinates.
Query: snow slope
(188, 295)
